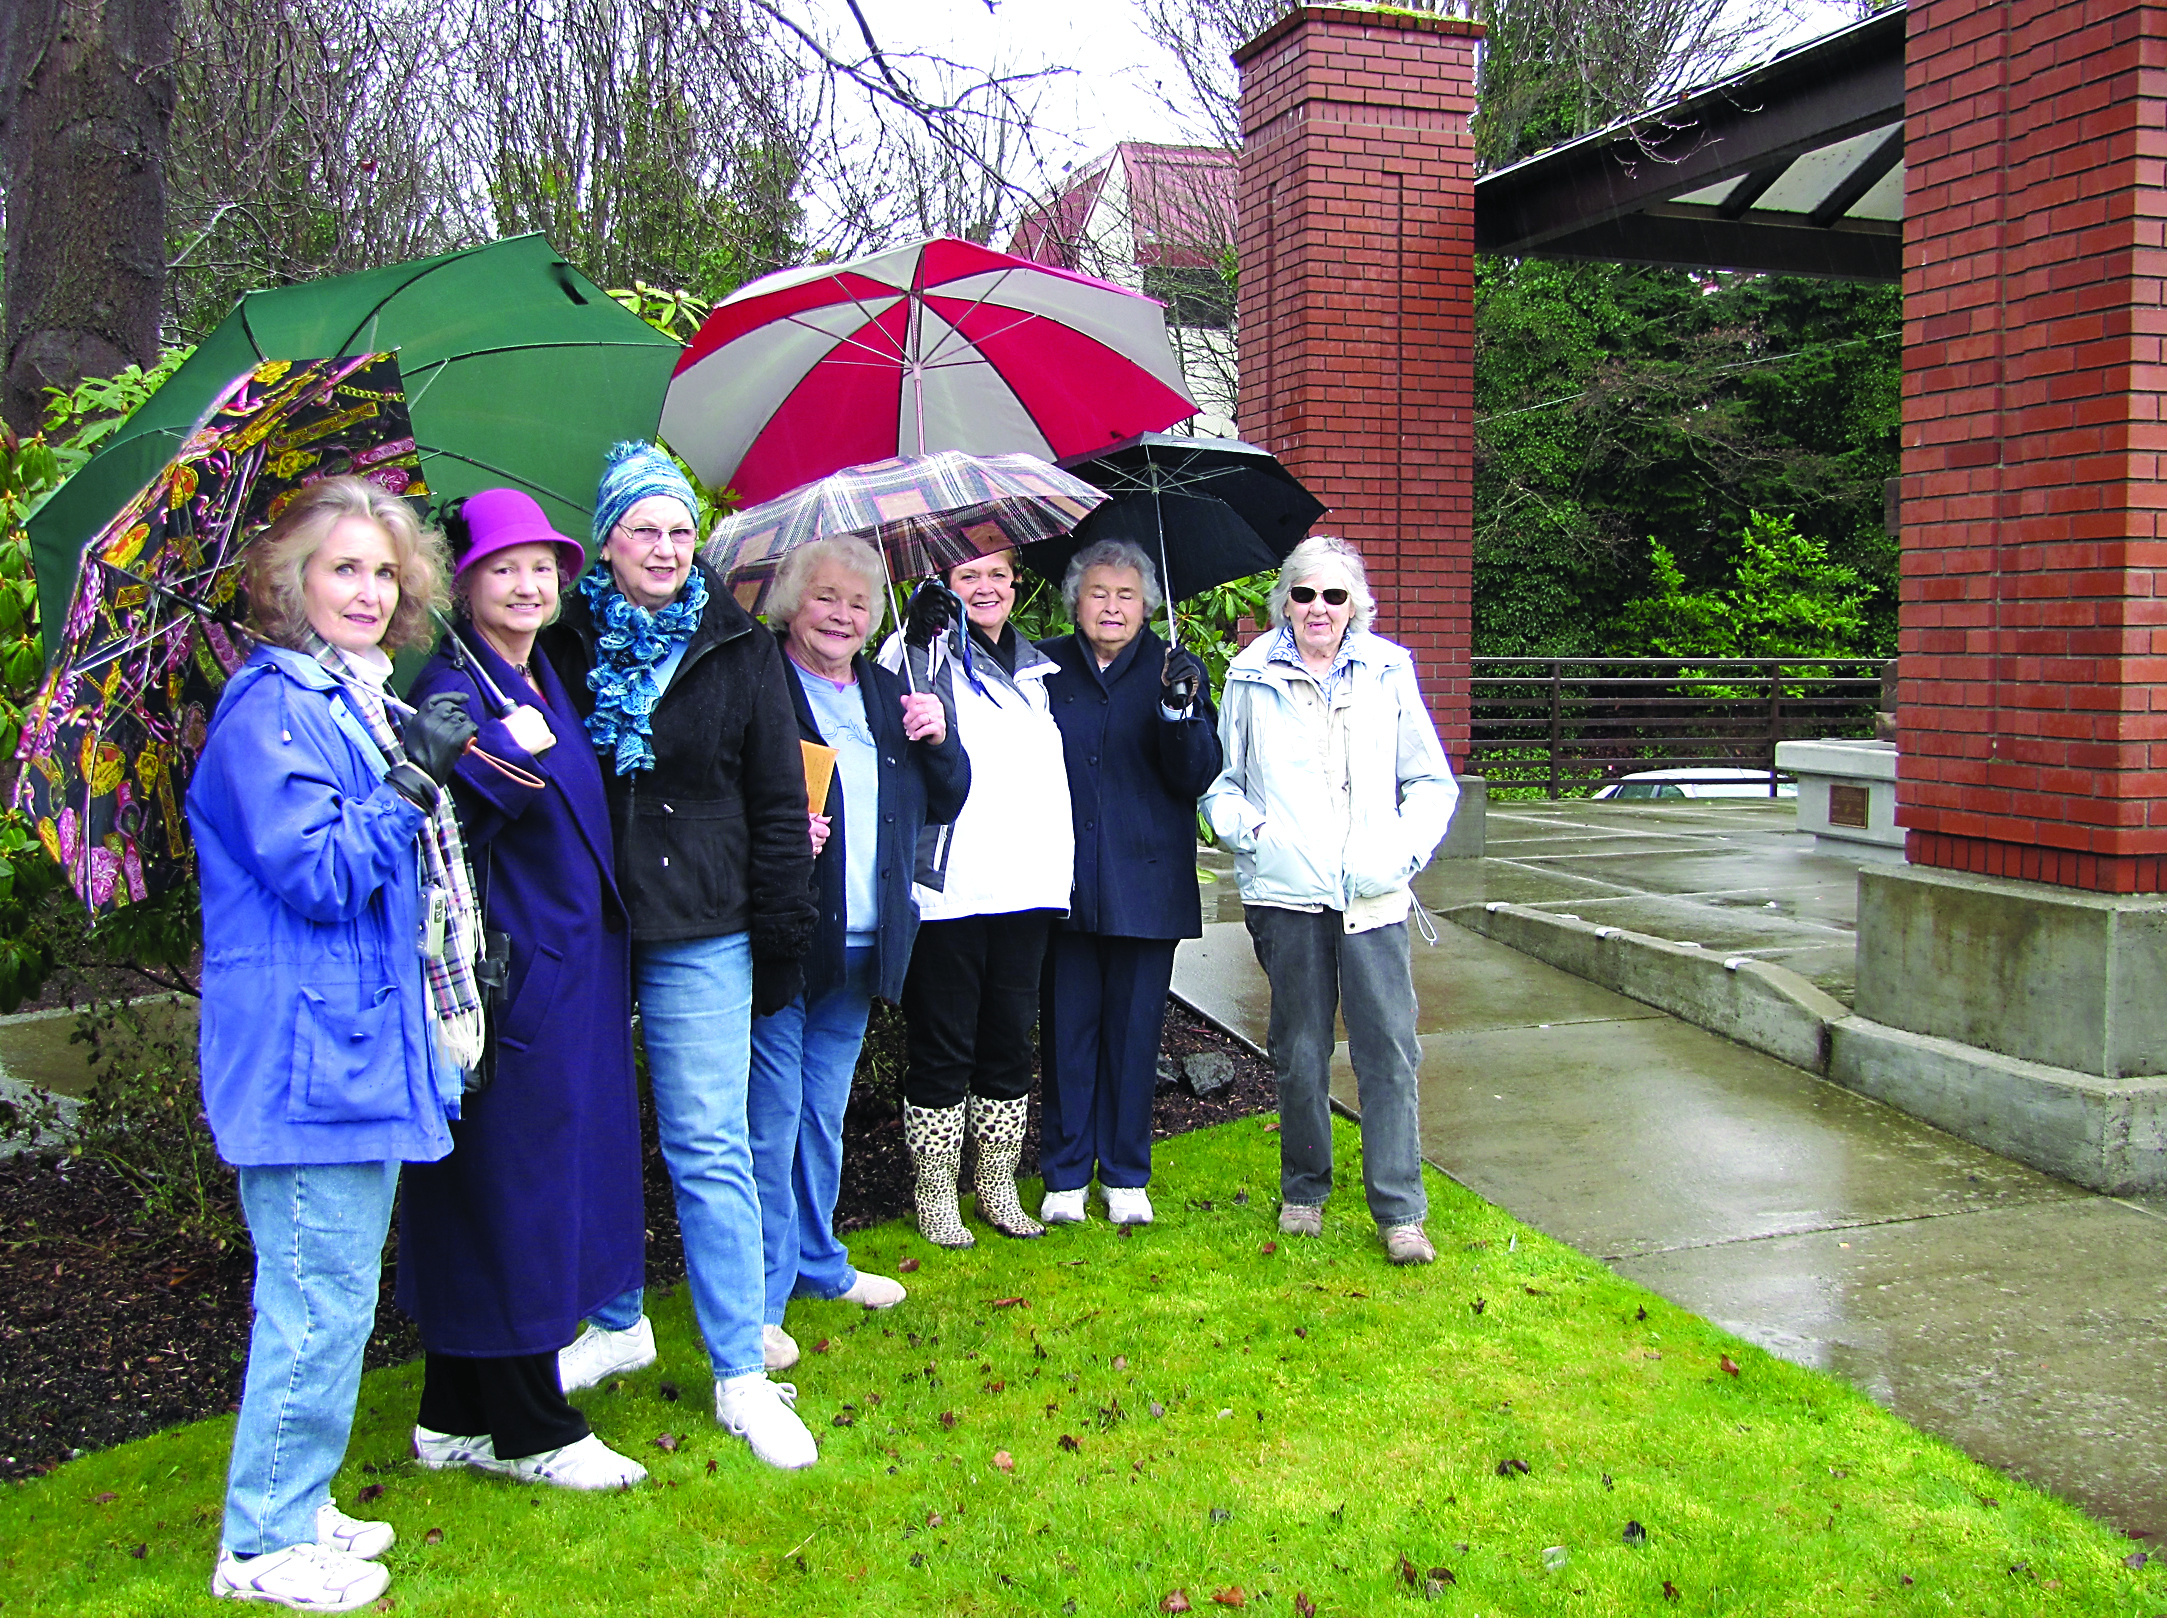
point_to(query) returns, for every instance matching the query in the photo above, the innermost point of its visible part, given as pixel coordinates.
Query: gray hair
(1315, 554)
(788, 592)
(1115, 553)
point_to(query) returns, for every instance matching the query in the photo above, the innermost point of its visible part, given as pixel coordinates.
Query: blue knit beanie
(633, 471)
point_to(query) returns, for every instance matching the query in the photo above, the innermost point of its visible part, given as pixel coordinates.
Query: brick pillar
(2034, 722)
(1356, 242)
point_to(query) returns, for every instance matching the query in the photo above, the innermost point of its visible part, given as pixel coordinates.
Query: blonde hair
(278, 610)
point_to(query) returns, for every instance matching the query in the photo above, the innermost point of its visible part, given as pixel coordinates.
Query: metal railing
(1571, 724)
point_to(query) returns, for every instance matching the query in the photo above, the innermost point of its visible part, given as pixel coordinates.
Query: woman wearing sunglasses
(1335, 793)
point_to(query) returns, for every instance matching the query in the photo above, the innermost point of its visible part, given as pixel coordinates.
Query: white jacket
(1014, 846)
(1333, 806)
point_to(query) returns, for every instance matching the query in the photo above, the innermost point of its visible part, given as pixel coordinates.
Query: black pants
(1101, 1011)
(969, 1003)
(515, 1399)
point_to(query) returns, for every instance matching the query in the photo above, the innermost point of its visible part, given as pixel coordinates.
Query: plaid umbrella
(923, 513)
(150, 635)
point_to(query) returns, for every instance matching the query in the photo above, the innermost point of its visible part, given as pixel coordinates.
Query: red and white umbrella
(942, 344)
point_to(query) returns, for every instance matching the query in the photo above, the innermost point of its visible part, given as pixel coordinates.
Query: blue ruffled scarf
(630, 644)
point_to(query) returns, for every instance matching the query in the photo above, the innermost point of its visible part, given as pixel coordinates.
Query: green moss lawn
(1088, 1423)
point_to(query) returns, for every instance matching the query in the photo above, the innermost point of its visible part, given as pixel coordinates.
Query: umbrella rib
(505, 472)
(999, 280)
(413, 281)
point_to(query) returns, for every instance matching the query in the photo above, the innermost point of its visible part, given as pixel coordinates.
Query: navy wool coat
(537, 1216)
(919, 785)
(1133, 780)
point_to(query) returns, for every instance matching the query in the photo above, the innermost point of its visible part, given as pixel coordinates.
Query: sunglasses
(1303, 595)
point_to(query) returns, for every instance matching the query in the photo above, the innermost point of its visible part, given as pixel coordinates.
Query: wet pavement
(2015, 1315)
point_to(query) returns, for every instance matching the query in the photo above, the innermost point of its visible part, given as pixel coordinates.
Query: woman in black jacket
(898, 766)
(1141, 741)
(687, 700)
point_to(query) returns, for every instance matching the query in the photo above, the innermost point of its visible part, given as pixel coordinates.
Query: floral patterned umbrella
(152, 631)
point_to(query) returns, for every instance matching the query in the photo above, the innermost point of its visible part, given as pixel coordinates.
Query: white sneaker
(875, 1292)
(1063, 1208)
(586, 1464)
(778, 1349)
(335, 1531)
(440, 1452)
(309, 1577)
(763, 1414)
(598, 1353)
(1128, 1205)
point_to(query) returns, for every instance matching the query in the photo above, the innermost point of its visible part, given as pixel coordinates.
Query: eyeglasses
(648, 538)
(1303, 595)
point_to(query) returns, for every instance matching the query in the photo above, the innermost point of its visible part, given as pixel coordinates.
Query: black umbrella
(1210, 509)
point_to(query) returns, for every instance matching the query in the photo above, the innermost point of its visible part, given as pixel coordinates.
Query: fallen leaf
(1156, 1408)
(1479, 1305)
(1121, 1362)
(1271, 1129)
(368, 1492)
(1176, 1600)
(917, 1558)
(1003, 1461)
(1442, 1575)
(139, 1552)
(948, 1420)
(844, 1418)
(1303, 1605)
(1068, 1607)
(1988, 1500)
(1232, 1596)
(1068, 1442)
(1241, 1199)
(385, 1604)
(1535, 1292)
(665, 1442)
(1607, 1483)
(1127, 1231)
(434, 1536)
(1670, 1591)
(996, 1387)
(109, 1496)
(822, 1346)
(1268, 1249)
(1009, 1303)
(2135, 1559)
(712, 1468)
(1409, 1572)
(1432, 1589)
(1511, 1464)
(908, 1266)
(1220, 1514)
(670, 1391)
(1904, 1579)
(1635, 1535)
(1730, 1365)
(933, 1519)
(1643, 1314)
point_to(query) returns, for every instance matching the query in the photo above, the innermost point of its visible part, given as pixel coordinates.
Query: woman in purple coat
(536, 1218)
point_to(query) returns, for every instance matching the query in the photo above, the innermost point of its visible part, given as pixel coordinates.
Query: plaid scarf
(455, 999)
(631, 643)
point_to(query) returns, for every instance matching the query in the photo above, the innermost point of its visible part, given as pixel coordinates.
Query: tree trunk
(86, 104)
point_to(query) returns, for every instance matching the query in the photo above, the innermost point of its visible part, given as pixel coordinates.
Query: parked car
(1643, 785)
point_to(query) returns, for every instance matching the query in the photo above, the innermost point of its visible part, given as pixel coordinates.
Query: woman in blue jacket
(330, 1044)
(898, 766)
(1137, 734)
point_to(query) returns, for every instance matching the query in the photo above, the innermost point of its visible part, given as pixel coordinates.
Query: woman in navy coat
(1141, 743)
(537, 1216)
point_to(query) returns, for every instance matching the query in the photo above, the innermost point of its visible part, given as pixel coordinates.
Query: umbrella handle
(499, 703)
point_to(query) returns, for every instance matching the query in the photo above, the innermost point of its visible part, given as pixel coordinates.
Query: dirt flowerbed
(109, 1332)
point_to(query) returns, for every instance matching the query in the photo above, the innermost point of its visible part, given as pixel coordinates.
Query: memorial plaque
(1846, 805)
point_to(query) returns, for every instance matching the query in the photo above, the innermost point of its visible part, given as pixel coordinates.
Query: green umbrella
(520, 372)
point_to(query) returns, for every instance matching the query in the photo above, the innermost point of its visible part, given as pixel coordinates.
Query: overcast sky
(1122, 81)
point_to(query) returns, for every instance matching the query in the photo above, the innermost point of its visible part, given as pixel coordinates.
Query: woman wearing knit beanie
(688, 707)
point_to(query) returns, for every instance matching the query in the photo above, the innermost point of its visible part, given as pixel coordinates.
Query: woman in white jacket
(990, 888)
(1336, 791)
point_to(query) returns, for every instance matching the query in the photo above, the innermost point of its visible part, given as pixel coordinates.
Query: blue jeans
(318, 1230)
(696, 1022)
(802, 1060)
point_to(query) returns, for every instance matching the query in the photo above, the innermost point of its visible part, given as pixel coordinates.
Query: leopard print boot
(935, 1138)
(997, 1128)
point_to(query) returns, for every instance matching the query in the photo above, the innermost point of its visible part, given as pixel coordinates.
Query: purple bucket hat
(497, 519)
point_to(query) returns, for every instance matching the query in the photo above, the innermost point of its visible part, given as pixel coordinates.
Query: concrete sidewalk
(2012, 1314)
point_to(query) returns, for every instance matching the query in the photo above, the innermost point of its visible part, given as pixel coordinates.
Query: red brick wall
(2034, 556)
(1356, 202)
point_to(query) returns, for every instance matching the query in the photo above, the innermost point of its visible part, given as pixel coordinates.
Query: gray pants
(1316, 967)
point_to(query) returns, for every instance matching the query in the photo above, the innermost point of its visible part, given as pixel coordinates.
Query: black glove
(1182, 680)
(438, 734)
(933, 607)
(774, 985)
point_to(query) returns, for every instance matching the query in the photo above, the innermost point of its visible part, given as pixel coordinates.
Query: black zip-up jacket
(713, 840)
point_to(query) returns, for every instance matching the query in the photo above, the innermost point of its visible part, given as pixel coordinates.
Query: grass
(1197, 1406)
